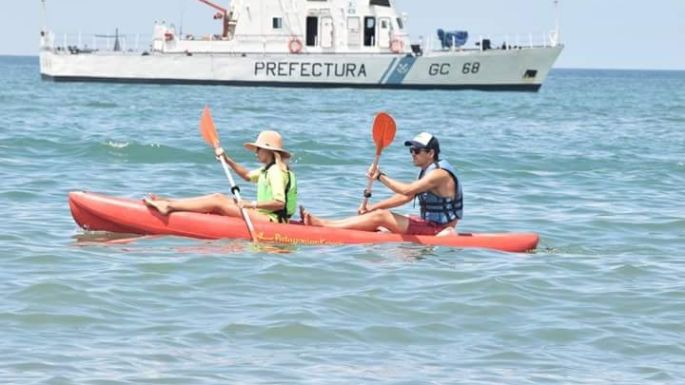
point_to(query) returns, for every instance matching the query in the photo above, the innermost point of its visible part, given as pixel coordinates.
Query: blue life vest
(435, 208)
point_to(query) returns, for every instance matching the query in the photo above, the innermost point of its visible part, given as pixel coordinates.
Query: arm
(240, 170)
(272, 205)
(392, 202)
(432, 180)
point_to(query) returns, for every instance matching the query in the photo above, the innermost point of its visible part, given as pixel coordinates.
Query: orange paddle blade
(384, 129)
(207, 128)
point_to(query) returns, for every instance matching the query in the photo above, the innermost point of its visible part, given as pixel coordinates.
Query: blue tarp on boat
(450, 39)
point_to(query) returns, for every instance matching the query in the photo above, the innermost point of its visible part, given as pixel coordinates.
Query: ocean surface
(594, 162)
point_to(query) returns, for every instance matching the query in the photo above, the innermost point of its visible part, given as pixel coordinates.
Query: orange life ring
(396, 45)
(168, 36)
(295, 45)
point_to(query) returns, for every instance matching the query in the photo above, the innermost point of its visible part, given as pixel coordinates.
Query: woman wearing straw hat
(276, 186)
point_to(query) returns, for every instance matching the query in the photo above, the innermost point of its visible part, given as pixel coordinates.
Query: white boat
(307, 43)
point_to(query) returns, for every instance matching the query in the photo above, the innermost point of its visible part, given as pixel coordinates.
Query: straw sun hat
(269, 140)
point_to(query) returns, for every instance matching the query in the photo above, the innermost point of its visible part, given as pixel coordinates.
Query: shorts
(420, 226)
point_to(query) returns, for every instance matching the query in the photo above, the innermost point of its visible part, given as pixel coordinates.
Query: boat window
(384, 32)
(277, 23)
(312, 30)
(400, 23)
(382, 3)
(369, 31)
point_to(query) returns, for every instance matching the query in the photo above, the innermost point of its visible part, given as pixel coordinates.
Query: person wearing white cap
(276, 186)
(437, 189)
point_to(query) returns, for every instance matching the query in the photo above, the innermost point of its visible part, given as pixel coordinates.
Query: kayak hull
(100, 212)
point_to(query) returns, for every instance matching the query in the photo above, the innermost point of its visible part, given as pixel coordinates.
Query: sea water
(594, 162)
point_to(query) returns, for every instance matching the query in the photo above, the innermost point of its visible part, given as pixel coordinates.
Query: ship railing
(271, 42)
(280, 42)
(76, 43)
(482, 42)
(251, 43)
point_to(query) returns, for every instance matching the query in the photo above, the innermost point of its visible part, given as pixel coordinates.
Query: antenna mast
(44, 34)
(557, 31)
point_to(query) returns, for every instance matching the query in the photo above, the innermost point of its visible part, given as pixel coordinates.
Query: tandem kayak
(100, 212)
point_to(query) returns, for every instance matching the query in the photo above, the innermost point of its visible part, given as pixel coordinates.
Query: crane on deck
(221, 14)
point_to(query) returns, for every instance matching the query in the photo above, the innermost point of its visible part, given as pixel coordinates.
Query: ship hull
(522, 69)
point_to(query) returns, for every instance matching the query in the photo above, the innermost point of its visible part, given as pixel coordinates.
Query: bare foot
(155, 197)
(162, 206)
(447, 232)
(308, 219)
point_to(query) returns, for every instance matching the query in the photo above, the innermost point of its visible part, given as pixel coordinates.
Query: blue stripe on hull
(388, 70)
(401, 70)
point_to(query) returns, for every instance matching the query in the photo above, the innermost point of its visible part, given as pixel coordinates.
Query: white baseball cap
(424, 140)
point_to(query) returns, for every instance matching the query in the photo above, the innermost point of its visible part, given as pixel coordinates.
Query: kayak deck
(100, 212)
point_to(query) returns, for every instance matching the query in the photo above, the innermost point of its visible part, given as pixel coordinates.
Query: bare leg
(204, 204)
(367, 222)
(213, 203)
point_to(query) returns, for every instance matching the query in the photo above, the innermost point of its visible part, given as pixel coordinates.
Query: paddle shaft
(367, 192)
(236, 197)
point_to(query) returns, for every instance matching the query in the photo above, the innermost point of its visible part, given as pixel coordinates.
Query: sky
(611, 34)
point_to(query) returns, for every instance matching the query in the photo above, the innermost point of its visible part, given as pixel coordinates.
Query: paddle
(208, 131)
(383, 131)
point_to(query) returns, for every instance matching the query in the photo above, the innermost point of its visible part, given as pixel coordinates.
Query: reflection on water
(411, 252)
(212, 247)
(399, 251)
(272, 248)
(103, 238)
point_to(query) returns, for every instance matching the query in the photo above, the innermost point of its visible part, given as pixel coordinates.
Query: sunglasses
(413, 150)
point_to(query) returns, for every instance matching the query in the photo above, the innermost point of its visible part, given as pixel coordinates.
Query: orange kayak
(100, 212)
